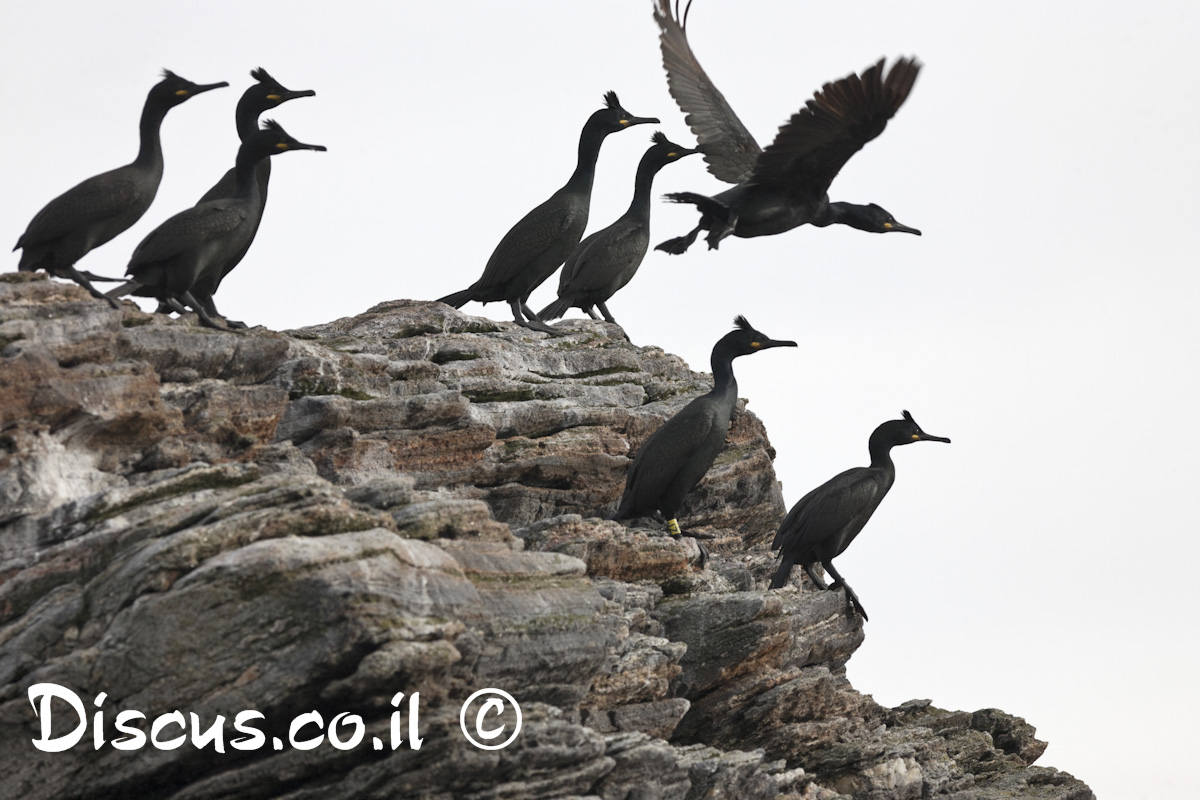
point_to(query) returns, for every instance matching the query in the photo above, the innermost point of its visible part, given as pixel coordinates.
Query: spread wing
(95, 200)
(728, 147)
(811, 148)
(189, 229)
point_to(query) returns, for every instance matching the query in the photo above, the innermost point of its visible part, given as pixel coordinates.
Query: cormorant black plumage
(538, 244)
(786, 185)
(825, 521)
(677, 455)
(604, 262)
(186, 249)
(266, 93)
(90, 214)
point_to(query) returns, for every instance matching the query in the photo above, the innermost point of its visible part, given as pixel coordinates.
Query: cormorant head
(613, 117)
(902, 431)
(745, 340)
(173, 90)
(876, 219)
(267, 93)
(664, 151)
(271, 140)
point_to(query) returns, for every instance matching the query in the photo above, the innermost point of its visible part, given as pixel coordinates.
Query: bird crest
(167, 74)
(262, 76)
(272, 125)
(742, 323)
(908, 417)
(658, 137)
(610, 100)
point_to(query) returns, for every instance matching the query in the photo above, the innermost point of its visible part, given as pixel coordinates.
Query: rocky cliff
(197, 525)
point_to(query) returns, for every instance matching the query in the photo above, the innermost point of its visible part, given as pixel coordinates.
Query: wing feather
(813, 146)
(728, 147)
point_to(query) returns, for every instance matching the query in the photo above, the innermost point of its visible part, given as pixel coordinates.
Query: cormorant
(786, 185)
(265, 94)
(608, 259)
(538, 244)
(677, 455)
(90, 214)
(825, 521)
(186, 249)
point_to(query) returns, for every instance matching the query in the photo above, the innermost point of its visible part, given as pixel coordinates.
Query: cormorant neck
(246, 118)
(589, 150)
(880, 448)
(851, 214)
(246, 172)
(722, 371)
(150, 150)
(640, 206)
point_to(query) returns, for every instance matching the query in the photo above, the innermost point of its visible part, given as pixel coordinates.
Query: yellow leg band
(673, 527)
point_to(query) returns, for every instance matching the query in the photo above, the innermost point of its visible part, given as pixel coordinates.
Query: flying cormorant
(786, 185)
(608, 259)
(677, 455)
(825, 521)
(90, 214)
(185, 250)
(538, 244)
(266, 93)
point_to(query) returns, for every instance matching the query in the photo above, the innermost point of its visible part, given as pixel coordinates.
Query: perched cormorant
(608, 259)
(677, 455)
(90, 214)
(825, 521)
(265, 94)
(185, 250)
(538, 244)
(785, 185)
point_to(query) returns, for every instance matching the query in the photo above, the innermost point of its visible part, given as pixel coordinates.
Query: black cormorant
(608, 259)
(90, 214)
(785, 185)
(538, 244)
(677, 455)
(184, 251)
(265, 94)
(825, 521)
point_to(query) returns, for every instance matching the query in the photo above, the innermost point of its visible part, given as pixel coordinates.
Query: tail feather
(556, 309)
(125, 288)
(459, 299)
(781, 575)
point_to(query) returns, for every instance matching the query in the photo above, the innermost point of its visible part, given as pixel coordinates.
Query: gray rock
(412, 500)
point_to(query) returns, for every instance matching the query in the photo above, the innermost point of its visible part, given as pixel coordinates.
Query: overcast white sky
(1042, 563)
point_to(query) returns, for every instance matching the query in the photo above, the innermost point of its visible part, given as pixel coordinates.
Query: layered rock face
(196, 524)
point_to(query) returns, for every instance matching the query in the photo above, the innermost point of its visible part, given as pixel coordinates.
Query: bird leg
(211, 307)
(205, 320)
(604, 310)
(534, 323)
(591, 312)
(69, 271)
(679, 244)
(720, 228)
(673, 527)
(840, 583)
(815, 577)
